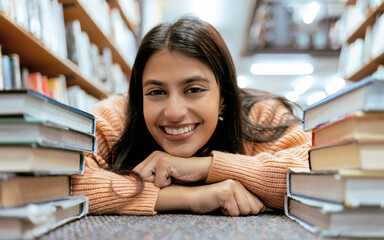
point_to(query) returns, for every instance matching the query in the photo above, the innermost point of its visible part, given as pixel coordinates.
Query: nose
(175, 108)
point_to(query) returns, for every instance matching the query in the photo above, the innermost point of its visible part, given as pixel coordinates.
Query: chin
(182, 153)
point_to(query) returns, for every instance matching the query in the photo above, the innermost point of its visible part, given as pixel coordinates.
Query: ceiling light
(335, 85)
(304, 84)
(317, 96)
(281, 68)
(242, 81)
(310, 12)
(292, 96)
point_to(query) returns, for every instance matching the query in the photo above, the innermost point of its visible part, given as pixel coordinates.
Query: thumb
(162, 177)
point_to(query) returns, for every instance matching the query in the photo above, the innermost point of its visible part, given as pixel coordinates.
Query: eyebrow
(185, 81)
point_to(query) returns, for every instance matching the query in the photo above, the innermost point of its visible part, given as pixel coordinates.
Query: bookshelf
(37, 57)
(369, 68)
(73, 9)
(360, 31)
(115, 4)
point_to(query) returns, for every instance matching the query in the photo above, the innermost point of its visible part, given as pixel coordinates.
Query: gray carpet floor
(182, 226)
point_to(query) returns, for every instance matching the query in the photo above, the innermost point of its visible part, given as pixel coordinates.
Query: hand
(161, 167)
(230, 196)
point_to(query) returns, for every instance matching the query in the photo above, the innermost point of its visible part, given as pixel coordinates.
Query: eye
(195, 90)
(155, 92)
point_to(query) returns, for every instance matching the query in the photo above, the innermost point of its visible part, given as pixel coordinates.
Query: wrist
(204, 164)
(172, 197)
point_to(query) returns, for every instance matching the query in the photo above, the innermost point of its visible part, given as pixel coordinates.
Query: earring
(221, 118)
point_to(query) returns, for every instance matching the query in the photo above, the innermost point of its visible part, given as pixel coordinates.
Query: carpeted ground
(181, 226)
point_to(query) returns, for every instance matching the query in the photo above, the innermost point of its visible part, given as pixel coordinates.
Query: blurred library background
(80, 51)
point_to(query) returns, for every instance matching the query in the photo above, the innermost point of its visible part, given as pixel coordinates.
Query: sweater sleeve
(96, 181)
(264, 167)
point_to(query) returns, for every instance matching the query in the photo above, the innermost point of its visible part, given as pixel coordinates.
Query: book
(19, 131)
(366, 95)
(335, 219)
(365, 155)
(351, 188)
(15, 71)
(40, 160)
(29, 103)
(17, 189)
(7, 72)
(355, 126)
(33, 220)
(1, 69)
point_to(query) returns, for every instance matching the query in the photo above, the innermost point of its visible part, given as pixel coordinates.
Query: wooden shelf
(367, 69)
(360, 31)
(115, 4)
(36, 57)
(73, 9)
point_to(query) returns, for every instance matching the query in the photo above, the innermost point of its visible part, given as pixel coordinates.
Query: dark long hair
(196, 39)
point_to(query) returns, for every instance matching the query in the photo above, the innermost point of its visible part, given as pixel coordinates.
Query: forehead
(166, 65)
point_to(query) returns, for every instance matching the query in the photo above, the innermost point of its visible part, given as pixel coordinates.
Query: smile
(179, 131)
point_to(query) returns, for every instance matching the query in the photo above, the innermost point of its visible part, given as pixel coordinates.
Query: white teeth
(174, 131)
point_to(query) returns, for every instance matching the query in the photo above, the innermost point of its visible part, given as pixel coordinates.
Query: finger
(230, 206)
(243, 200)
(162, 177)
(256, 205)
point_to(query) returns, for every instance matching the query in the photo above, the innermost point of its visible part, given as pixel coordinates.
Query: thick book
(20, 131)
(364, 155)
(18, 189)
(355, 126)
(335, 220)
(366, 95)
(40, 160)
(33, 220)
(29, 103)
(350, 188)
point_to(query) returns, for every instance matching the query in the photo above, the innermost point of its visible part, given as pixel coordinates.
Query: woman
(193, 140)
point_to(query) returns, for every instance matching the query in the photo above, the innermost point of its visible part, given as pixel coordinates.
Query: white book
(33, 220)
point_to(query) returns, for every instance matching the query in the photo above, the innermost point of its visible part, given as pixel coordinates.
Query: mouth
(180, 130)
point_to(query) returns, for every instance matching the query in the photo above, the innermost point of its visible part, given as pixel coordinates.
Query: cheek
(149, 114)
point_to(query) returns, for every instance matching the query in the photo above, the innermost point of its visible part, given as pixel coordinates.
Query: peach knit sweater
(262, 170)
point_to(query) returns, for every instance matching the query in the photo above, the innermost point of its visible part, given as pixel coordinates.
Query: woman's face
(181, 102)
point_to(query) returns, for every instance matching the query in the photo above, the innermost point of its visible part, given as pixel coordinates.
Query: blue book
(366, 95)
(31, 104)
(7, 72)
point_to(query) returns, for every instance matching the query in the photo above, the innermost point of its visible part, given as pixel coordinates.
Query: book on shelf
(364, 154)
(335, 220)
(7, 72)
(351, 188)
(20, 131)
(1, 70)
(15, 71)
(33, 220)
(29, 103)
(366, 95)
(355, 126)
(18, 189)
(40, 160)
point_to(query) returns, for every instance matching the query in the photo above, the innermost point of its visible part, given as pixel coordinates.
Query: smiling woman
(188, 138)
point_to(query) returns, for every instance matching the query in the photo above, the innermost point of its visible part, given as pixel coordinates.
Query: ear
(221, 106)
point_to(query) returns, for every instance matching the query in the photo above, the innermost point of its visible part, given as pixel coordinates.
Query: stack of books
(342, 194)
(41, 144)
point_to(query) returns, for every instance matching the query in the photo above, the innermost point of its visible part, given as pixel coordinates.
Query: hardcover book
(33, 220)
(365, 155)
(19, 131)
(366, 95)
(18, 189)
(335, 220)
(40, 160)
(29, 103)
(355, 126)
(352, 188)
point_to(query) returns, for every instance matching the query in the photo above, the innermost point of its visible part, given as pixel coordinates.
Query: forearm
(95, 183)
(263, 174)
